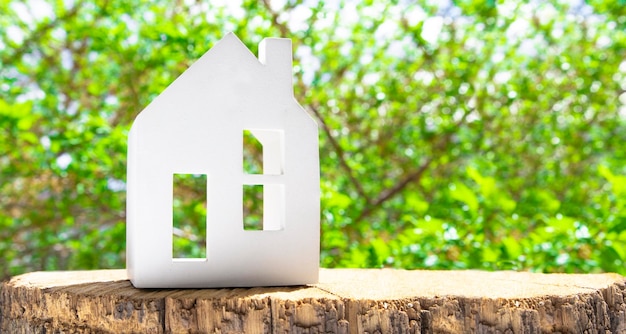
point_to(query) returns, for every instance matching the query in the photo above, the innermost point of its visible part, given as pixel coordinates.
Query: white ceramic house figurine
(196, 126)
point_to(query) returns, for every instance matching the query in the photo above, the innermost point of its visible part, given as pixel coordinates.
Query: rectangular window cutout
(252, 154)
(263, 207)
(253, 207)
(263, 151)
(189, 216)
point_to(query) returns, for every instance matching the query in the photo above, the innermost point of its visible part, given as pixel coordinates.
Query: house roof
(231, 44)
(229, 77)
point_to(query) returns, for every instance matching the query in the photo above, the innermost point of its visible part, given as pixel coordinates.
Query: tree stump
(345, 301)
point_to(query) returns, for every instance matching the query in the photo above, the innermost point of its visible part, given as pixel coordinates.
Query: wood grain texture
(345, 301)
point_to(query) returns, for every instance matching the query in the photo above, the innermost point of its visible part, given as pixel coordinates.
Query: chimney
(276, 55)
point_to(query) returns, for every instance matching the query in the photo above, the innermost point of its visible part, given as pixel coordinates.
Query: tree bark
(345, 301)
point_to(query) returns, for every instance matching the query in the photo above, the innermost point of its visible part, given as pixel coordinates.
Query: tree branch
(411, 177)
(397, 188)
(341, 155)
(284, 31)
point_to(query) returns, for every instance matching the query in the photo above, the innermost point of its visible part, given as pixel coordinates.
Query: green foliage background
(453, 135)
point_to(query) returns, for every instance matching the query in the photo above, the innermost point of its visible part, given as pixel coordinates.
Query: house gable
(195, 127)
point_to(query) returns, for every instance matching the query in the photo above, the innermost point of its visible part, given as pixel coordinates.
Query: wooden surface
(345, 301)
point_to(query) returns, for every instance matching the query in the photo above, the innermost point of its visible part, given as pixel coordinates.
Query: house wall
(195, 127)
